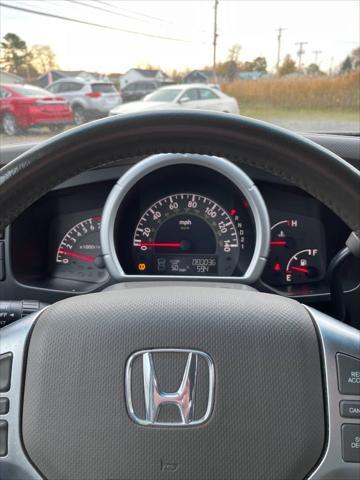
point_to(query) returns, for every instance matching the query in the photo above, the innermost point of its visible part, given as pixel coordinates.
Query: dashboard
(55, 248)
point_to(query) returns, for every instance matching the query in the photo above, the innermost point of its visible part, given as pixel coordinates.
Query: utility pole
(215, 37)
(316, 53)
(279, 30)
(300, 52)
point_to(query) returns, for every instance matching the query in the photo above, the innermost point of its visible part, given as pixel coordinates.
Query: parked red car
(25, 106)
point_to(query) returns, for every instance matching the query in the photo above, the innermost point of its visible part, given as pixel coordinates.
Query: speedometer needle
(160, 244)
(76, 255)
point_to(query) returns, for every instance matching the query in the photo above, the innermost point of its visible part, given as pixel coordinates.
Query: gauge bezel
(155, 162)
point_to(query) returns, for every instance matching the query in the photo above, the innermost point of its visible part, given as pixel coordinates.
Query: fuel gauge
(303, 265)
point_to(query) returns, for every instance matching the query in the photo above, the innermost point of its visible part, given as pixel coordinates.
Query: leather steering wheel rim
(287, 155)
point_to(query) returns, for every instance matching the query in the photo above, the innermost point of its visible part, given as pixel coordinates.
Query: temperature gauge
(283, 233)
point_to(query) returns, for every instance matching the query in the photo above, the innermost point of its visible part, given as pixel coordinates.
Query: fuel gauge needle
(300, 269)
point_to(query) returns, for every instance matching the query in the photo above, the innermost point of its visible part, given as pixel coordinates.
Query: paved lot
(38, 135)
(31, 136)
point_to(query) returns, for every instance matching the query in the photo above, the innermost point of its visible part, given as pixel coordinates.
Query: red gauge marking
(76, 255)
(158, 244)
(300, 269)
(278, 242)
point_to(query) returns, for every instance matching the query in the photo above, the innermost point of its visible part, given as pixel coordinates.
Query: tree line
(230, 69)
(16, 57)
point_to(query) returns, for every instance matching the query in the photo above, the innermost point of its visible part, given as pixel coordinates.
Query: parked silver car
(88, 99)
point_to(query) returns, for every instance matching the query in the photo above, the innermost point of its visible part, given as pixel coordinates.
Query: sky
(330, 26)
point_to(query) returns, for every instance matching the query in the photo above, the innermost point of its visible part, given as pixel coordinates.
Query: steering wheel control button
(3, 438)
(350, 408)
(4, 405)
(5, 371)
(2, 261)
(351, 442)
(348, 369)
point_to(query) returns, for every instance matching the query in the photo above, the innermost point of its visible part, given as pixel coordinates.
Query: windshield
(103, 88)
(292, 63)
(27, 91)
(163, 95)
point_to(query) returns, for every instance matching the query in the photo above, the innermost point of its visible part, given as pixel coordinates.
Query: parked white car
(190, 96)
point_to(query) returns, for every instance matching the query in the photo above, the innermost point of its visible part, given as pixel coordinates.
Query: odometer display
(186, 234)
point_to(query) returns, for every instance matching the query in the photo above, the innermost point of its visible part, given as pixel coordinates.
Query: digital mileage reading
(186, 234)
(187, 265)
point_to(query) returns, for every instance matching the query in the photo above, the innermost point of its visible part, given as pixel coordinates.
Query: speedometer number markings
(77, 251)
(186, 234)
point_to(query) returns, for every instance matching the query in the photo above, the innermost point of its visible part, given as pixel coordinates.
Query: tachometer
(78, 249)
(186, 234)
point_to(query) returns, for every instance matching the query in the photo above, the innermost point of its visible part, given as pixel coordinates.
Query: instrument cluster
(180, 221)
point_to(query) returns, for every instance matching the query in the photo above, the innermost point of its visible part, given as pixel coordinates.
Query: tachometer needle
(76, 255)
(300, 269)
(278, 242)
(159, 244)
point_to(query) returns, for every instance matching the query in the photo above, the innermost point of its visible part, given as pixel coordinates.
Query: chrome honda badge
(184, 398)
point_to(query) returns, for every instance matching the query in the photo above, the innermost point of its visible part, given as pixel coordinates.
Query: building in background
(252, 75)
(199, 76)
(48, 78)
(138, 74)
(7, 77)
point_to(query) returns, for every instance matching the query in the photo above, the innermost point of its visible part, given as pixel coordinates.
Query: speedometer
(186, 234)
(185, 215)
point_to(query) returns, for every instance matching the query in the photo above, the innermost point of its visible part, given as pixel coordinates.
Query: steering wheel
(256, 378)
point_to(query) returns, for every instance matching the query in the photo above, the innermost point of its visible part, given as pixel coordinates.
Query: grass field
(270, 113)
(303, 99)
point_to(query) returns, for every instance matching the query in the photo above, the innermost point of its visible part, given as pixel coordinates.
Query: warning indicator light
(141, 267)
(277, 267)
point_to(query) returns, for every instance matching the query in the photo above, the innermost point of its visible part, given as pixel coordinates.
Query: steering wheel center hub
(137, 369)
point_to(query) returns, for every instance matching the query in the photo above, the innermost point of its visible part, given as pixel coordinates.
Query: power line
(316, 53)
(215, 36)
(151, 17)
(279, 30)
(98, 25)
(78, 2)
(136, 13)
(300, 52)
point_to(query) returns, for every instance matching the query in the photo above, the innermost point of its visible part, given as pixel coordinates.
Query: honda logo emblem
(183, 398)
